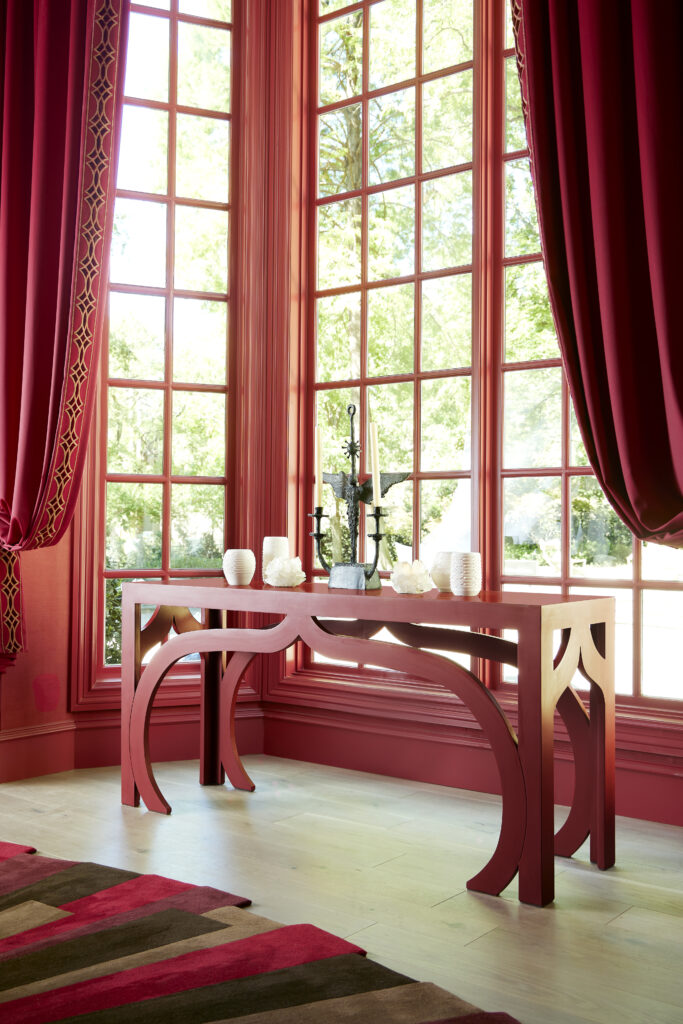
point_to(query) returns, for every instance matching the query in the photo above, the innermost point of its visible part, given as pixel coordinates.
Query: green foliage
(112, 622)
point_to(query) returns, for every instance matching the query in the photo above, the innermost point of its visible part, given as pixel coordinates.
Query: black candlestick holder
(353, 575)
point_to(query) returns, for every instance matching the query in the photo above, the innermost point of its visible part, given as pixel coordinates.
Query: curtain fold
(602, 90)
(61, 87)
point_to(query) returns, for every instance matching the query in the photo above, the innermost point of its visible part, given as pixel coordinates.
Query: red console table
(314, 614)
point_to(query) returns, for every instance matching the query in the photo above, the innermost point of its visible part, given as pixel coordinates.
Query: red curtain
(60, 92)
(602, 87)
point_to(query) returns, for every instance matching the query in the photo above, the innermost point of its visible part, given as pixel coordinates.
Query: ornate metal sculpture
(353, 575)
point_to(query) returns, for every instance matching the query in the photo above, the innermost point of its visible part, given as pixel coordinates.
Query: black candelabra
(353, 575)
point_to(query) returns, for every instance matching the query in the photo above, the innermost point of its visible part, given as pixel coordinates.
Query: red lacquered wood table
(340, 624)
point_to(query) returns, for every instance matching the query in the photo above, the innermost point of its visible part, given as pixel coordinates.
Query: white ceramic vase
(273, 547)
(466, 573)
(239, 565)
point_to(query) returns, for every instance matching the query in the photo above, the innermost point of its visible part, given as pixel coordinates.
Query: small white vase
(239, 565)
(441, 570)
(273, 547)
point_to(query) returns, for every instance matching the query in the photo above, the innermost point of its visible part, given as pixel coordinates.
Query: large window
(431, 314)
(166, 392)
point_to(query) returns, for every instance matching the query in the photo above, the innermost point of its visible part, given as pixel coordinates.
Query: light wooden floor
(384, 862)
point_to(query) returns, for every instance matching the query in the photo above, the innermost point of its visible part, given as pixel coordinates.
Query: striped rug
(88, 943)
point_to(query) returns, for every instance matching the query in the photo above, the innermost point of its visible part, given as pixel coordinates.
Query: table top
(489, 609)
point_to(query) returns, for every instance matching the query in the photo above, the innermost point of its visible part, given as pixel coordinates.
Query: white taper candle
(318, 469)
(374, 455)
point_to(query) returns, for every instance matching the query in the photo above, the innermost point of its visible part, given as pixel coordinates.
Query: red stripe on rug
(258, 954)
(23, 870)
(8, 850)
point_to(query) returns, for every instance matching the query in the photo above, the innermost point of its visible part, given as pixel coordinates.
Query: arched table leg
(503, 865)
(230, 758)
(577, 826)
(203, 641)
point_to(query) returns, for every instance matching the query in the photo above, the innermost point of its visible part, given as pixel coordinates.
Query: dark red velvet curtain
(60, 91)
(602, 85)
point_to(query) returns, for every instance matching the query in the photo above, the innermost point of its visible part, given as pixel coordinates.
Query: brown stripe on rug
(109, 944)
(73, 883)
(222, 934)
(405, 1004)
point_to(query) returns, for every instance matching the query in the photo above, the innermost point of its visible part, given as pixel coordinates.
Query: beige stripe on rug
(405, 1004)
(25, 916)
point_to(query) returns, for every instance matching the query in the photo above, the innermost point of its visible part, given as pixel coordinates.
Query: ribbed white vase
(239, 565)
(466, 573)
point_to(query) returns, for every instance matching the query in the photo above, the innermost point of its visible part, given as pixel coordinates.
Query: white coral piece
(411, 579)
(284, 572)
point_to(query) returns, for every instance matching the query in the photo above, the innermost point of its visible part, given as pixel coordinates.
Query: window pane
(390, 406)
(391, 233)
(623, 651)
(391, 327)
(340, 158)
(392, 42)
(341, 54)
(135, 430)
(112, 622)
(445, 517)
(447, 322)
(397, 543)
(448, 27)
(532, 515)
(133, 526)
(601, 545)
(136, 336)
(532, 418)
(197, 534)
(147, 58)
(521, 223)
(198, 434)
(199, 341)
(660, 562)
(219, 10)
(203, 67)
(143, 159)
(515, 132)
(446, 414)
(577, 456)
(662, 666)
(327, 6)
(339, 235)
(201, 249)
(447, 121)
(392, 136)
(202, 157)
(138, 248)
(529, 328)
(338, 335)
(333, 420)
(447, 221)
(509, 31)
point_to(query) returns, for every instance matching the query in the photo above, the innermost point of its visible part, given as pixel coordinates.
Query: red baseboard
(650, 792)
